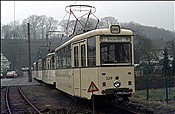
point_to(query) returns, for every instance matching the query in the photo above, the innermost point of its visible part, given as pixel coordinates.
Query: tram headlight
(117, 83)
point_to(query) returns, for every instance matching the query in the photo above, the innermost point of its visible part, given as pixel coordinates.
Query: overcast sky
(160, 14)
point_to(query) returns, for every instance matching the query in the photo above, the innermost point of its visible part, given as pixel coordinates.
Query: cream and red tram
(99, 61)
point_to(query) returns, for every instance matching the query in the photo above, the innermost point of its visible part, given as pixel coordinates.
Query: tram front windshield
(115, 53)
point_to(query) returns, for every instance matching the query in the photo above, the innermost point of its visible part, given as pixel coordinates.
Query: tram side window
(59, 59)
(39, 67)
(68, 55)
(83, 55)
(36, 66)
(48, 64)
(43, 65)
(92, 51)
(63, 53)
(76, 56)
(52, 63)
(56, 60)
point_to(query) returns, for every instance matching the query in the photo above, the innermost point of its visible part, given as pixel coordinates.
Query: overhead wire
(58, 25)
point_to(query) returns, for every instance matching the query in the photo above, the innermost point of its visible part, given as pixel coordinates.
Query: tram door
(79, 61)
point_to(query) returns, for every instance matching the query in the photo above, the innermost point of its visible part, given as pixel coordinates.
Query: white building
(5, 63)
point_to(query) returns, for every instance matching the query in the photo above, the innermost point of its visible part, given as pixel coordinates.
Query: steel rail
(7, 100)
(24, 97)
(125, 109)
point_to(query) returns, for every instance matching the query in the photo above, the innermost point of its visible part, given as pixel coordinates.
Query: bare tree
(6, 32)
(106, 21)
(40, 25)
(34, 21)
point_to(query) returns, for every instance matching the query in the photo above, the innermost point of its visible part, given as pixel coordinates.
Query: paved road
(18, 81)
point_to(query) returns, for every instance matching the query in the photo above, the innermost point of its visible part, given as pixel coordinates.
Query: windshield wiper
(111, 58)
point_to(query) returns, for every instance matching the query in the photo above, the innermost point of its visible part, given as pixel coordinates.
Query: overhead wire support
(89, 10)
(49, 42)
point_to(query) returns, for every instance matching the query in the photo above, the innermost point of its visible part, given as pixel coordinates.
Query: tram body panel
(34, 74)
(39, 75)
(101, 75)
(77, 81)
(39, 70)
(45, 76)
(34, 70)
(64, 80)
(88, 75)
(107, 76)
(51, 76)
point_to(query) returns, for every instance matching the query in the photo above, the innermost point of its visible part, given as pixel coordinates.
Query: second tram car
(48, 73)
(99, 61)
(38, 70)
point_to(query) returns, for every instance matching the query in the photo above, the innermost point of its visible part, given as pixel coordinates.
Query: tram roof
(39, 60)
(95, 32)
(49, 54)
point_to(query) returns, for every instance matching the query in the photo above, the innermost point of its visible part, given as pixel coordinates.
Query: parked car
(11, 74)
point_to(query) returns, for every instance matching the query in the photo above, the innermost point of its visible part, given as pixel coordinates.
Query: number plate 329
(109, 78)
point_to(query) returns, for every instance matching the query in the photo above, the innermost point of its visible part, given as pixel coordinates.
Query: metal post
(29, 71)
(166, 85)
(147, 84)
(93, 103)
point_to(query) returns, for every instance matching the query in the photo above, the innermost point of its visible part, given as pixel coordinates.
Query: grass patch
(157, 94)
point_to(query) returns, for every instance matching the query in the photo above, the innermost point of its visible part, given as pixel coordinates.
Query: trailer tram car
(34, 70)
(48, 73)
(38, 70)
(99, 61)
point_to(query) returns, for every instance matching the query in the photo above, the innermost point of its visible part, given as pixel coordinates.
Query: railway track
(105, 107)
(17, 103)
(102, 107)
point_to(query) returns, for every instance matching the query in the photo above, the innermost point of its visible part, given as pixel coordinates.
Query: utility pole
(29, 70)
(166, 61)
(147, 83)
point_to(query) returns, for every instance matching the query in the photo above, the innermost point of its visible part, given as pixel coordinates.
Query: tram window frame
(37, 66)
(76, 57)
(43, 67)
(91, 55)
(59, 59)
(63, 57)
(83, 55)
(56, 58)
(40, 66)
(48, 64)
(68, 56)
(52, 62)
(64, 61)
(108, 50)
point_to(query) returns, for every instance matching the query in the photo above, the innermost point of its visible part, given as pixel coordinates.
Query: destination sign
(115, 39)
